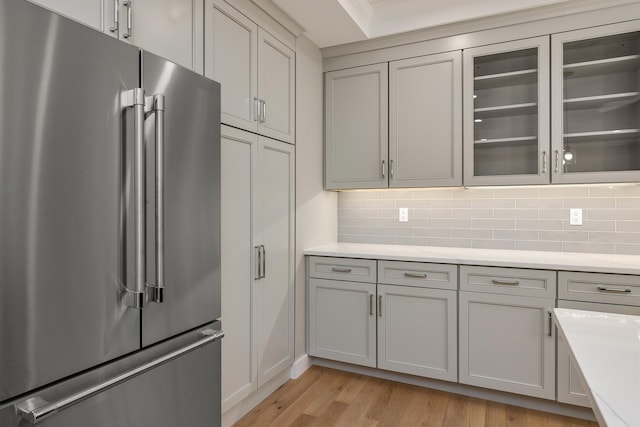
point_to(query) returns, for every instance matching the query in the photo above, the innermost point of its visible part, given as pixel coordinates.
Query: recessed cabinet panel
(417, 331)
(425, 121)
(231, 42)
(356, 135)
(506, 104)
(596, 90)
(507, 343)
(342, 321)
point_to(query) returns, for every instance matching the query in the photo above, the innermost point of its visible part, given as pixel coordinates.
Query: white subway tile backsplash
(528, 218)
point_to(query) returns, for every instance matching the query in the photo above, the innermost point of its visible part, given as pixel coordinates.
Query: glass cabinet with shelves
(596, 112)
(506, 110)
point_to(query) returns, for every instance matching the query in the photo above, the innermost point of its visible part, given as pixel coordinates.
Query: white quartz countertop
(606, 349)
(587, 262)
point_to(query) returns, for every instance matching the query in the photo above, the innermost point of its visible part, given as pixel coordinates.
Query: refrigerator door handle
(36, 409)
(134, 98)
(155, 105)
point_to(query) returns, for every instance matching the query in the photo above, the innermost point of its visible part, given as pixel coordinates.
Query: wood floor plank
(324, 397)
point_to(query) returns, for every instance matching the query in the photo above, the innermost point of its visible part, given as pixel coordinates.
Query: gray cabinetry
(616, 293)
(506, 110)
(356, 128)
(507, 342)
(256, 70)
(342, 313)
(169, 28)
(257, 261)
(425, 121)
(417, 323)
(595, 90)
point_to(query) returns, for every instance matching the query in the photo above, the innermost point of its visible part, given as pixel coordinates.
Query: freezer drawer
(181, 391)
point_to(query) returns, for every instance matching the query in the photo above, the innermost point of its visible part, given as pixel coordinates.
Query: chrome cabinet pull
(391, 168)
(256, 101)
(341, 269)
(415, 275)
(129, 6)
(156, 106)
(505, 282)
(544, 162)
(264, 262)
(380, 306)
(264, 110)
(134, 98)
(557, 168)
(116, 18)
(370, 304)
(45, 409)
(550, 322)
(614, 290)
(383, 170)
(258, 263)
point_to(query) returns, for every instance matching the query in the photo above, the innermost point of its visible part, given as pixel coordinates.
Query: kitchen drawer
(597, 287)
(349, 269)
(419, 274)
(508, 281)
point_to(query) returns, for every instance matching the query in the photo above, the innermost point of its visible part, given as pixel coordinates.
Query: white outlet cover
(575, 216)
(403, 214)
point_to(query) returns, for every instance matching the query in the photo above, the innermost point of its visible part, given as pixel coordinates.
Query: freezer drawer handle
(155, 105)
(44, 409)
(134, 98)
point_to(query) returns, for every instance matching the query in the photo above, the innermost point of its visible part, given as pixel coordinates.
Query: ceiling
(334, 22)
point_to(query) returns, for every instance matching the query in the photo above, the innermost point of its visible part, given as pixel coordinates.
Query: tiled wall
(524, 218)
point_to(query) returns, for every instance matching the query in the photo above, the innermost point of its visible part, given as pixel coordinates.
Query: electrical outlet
(575, 216)
(403, 214)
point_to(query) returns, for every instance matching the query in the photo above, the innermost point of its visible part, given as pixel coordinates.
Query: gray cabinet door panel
(192, 200)
(64, 156)
(425, 121)
(356, 128)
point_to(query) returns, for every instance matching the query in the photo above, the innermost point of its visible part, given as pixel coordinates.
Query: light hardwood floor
(326, 397)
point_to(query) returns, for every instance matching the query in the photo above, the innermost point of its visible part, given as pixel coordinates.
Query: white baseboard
(300, 366)
(241, 409)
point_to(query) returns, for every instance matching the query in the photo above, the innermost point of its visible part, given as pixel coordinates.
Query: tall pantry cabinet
(257, 263)
(257, 72)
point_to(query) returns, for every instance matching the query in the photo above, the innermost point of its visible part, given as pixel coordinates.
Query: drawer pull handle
(370, 304)
(415, 275)
(619, 291)
(505, 282)
(341, 269)
(380, 306)
(550, 323)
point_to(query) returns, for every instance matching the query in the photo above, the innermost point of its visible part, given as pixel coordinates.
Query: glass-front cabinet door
(506, 113)
(596, 112)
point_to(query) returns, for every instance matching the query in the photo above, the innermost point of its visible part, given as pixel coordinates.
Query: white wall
(316, 210)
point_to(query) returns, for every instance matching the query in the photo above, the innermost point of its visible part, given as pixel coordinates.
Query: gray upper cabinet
(169, 28)
(356, 128)
(506, 110)
(256, 70)
(425, 121)
(595, 89)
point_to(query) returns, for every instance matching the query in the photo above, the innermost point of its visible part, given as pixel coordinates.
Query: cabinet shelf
(602, 66)
(600, 135)
(608, 102)
(506, 110)
(505, 140)
(506, 79)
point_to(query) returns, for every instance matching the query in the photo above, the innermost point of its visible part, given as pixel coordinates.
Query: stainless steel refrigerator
(109, 231)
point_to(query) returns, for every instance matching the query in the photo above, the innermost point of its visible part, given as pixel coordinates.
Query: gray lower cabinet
(417, 330)
(342, 321)
(616, 293)
(507, 343)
